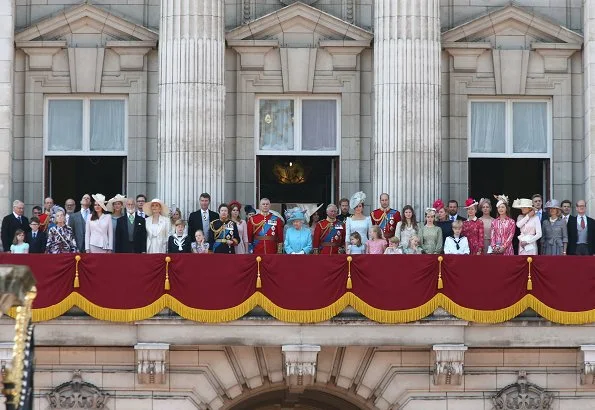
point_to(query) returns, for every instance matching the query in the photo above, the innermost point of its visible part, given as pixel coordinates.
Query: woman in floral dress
(503, 229)
(473, 228)
(60, 236)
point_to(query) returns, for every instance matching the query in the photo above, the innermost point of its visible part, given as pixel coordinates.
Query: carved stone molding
(77, 394)
(588, 370)
(41, 53)
(448, 368)
(132, 53)
(344, 52)
(300, 365)
(523, 396)
(151, 359)
(252, 52)
(465, 54)
(556, 55)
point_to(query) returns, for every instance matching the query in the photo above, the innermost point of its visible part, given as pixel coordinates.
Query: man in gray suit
(78, 222)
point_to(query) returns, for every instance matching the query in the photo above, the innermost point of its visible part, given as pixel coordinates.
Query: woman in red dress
(503, 228)
(473, 228)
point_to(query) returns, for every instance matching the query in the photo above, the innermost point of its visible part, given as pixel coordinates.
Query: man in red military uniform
(265, 231)
(44, 218)
(329, 234)
(385, 217)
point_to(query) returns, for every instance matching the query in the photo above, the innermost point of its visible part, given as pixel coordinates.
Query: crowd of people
(135, 225)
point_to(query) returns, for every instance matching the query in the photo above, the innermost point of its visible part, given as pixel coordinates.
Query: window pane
(65, 125)
(319, 125)
(276, 125)
(529, 127)
(488, 127)
(108, 125)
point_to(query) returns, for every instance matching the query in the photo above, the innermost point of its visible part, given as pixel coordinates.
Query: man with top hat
(329, 234)
(265, 231)
(385, 217)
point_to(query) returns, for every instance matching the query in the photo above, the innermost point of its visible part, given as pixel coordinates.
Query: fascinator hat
(470, 202)
(428, 210)
(502, 199)
(356, 199)
(438, 204)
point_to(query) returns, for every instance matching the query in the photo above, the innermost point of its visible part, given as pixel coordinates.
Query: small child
(457, 244)
(200, 246)
(376, 244)
(355, 247)
(413, 248)
(179, 241)
(393, 247)
(18, 243)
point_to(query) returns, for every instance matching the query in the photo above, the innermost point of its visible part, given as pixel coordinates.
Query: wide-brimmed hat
(118, 198)
(356, 199)
(552, 203)
(147, 207)
(100, 199)
(470, 202)
(296, 216)
(522, 203)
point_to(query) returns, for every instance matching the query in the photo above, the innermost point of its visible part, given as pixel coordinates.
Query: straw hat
(522, 203)
(118, 198)
(147, 207)
(100, 199)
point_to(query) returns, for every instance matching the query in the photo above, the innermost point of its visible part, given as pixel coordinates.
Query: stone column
(191, 102)
(407, 101)
(589, 95)
(7, 21)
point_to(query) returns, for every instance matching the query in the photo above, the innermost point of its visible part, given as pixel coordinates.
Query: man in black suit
(202, 218)
(453, 212)
(36, 239)
(581, 231)
(131, 232)
(538, 205)
(12, 222)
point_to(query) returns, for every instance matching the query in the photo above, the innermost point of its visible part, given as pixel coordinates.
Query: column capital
(300, 365)
(151, 359)
(448, 367)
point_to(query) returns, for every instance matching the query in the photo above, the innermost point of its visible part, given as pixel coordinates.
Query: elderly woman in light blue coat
(298, 239)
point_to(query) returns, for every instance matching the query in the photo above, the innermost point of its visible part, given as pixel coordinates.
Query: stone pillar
(407, 101)
(191, 102)
(589, 95)
(7, 21)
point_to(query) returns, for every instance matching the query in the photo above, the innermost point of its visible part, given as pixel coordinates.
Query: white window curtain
(108, 125)
(276, 125)
(65, 125)
(488, 127)
(319, 125)
(529, 127)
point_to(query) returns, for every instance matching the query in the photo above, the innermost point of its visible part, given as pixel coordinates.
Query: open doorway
(72, 177)
(297, 179)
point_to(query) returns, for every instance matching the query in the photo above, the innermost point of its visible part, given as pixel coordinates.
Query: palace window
(298, 125)
(510, 128)
(85, 126)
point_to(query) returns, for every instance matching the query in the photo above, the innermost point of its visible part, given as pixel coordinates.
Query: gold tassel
(258, 281)
(77, 258)
(529, 281)
(440, 283)
(167, 261)
(349, 283)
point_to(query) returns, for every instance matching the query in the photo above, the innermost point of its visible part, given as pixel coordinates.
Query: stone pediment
(299, 25)
(76, 24)
(511, 21)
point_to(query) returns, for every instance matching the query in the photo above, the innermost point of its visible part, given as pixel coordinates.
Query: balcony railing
(308, 288)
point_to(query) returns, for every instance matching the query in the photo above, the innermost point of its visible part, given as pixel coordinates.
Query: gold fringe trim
(212, 316)
(303, 316)
(559, 316)
(483, 316)
(393, 316)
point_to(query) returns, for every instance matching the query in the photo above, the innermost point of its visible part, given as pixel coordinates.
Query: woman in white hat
(115, 206)
(99, 235)
(555, 232)
(528, 223)
(358, 222)
(158, 226)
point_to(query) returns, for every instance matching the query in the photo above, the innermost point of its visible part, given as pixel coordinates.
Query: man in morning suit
(131, 232)
(12, 222)
(202, 218)
(453, 212)
(329, 234)
(78, 222)
(385, 217)
(581, 231)
(265, 231)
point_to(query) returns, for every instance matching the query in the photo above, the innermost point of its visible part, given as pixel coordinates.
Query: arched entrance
(313, 398)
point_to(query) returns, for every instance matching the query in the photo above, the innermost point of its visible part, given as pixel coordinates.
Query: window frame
(86, 149)
(508, 138)
(297, 125)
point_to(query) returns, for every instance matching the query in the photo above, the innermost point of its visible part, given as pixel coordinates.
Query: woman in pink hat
(473, 228)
